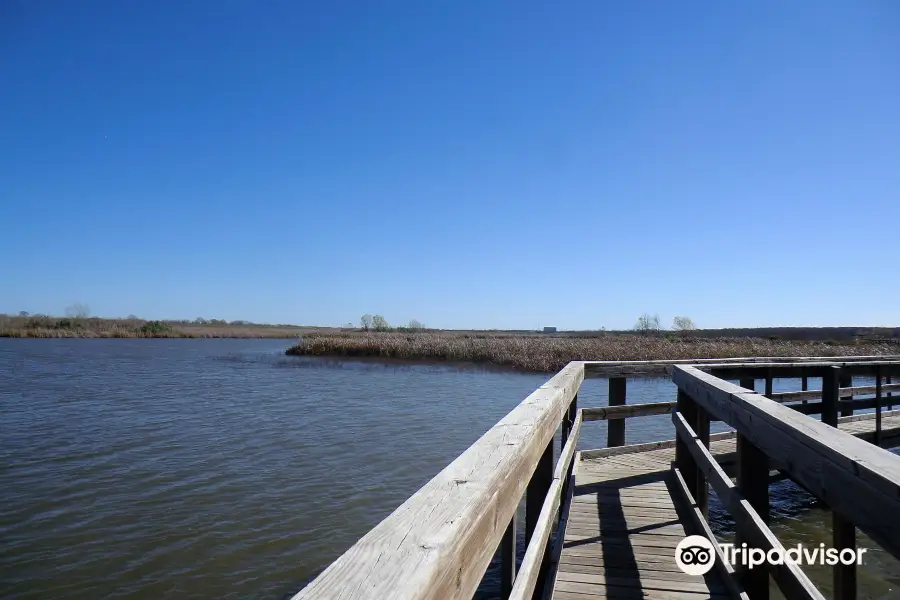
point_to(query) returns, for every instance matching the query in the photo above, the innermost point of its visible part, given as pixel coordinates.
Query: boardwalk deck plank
(624, 525)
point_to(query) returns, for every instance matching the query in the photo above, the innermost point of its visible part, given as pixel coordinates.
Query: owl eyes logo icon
(694, 555)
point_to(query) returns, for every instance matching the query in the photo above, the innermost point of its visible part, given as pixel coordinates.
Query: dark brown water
(222, 469)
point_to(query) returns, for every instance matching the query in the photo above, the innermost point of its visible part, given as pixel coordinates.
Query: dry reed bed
(550, 353)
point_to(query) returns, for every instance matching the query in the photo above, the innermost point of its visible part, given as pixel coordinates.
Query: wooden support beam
(508, 559)
(769, 381)
(537, 490)
(753, 484)
(616, 431)
(748, 383)
(804, 386)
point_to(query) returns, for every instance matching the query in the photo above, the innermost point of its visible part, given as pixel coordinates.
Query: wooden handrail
(627, 411)
(790, 578)
(597, 368)
(845, 392)
(439, 543)
(860, 482)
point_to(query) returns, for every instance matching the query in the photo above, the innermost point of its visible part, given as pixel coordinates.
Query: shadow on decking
(626, 570)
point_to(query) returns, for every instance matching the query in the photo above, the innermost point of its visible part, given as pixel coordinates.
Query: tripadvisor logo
(695, 555)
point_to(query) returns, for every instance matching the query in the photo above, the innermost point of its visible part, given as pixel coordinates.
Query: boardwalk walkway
(605, 523)
(626, 518)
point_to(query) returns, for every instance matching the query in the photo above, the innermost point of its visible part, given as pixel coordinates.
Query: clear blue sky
(468, 164)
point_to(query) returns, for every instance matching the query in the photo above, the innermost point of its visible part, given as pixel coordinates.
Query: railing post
(845, 380)
(749, 383)
(537, 490)
(508, 559)
(890, 394)
(804, 385)
(878, 406)
(684, 460)
(616, 427)
(701, 428)
(567, 421)
(571, 414)
(843, 531)
(753, 482)
(830, 395)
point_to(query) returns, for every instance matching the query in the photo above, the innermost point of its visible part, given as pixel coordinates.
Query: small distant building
(549, 329)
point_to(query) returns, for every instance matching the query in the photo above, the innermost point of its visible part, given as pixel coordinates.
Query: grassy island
(549, 352)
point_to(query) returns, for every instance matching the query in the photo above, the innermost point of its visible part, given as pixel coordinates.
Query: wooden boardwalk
(626, 518)
(606, 523)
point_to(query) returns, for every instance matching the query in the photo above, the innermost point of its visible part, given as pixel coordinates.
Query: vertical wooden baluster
(508, 559)
(749, 383)
(878, 406)
(804, 385)
(846, 404)
(890, 394)
(684, 460)
(616, 427)
(769, 383)
(830, 395)
(843, 531)
(701, 428)
(537, 490)
(571, 414)
(753, 482)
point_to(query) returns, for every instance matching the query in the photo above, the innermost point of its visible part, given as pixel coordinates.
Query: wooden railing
(859, 481)
(439, 543)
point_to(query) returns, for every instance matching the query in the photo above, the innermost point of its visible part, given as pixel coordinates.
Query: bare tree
(380, 324)
(79, 310)
(416, 325)
(647, 323)
(683, 324)
(366, 322)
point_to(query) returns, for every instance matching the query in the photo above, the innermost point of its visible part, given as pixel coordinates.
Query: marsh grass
(547, 353)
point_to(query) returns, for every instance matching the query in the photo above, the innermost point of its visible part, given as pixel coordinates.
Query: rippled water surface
(223, 469)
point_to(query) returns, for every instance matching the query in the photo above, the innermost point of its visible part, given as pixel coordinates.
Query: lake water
(221, 468)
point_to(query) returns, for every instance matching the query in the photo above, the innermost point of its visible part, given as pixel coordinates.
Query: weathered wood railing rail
(859, 481)
(439, 543)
